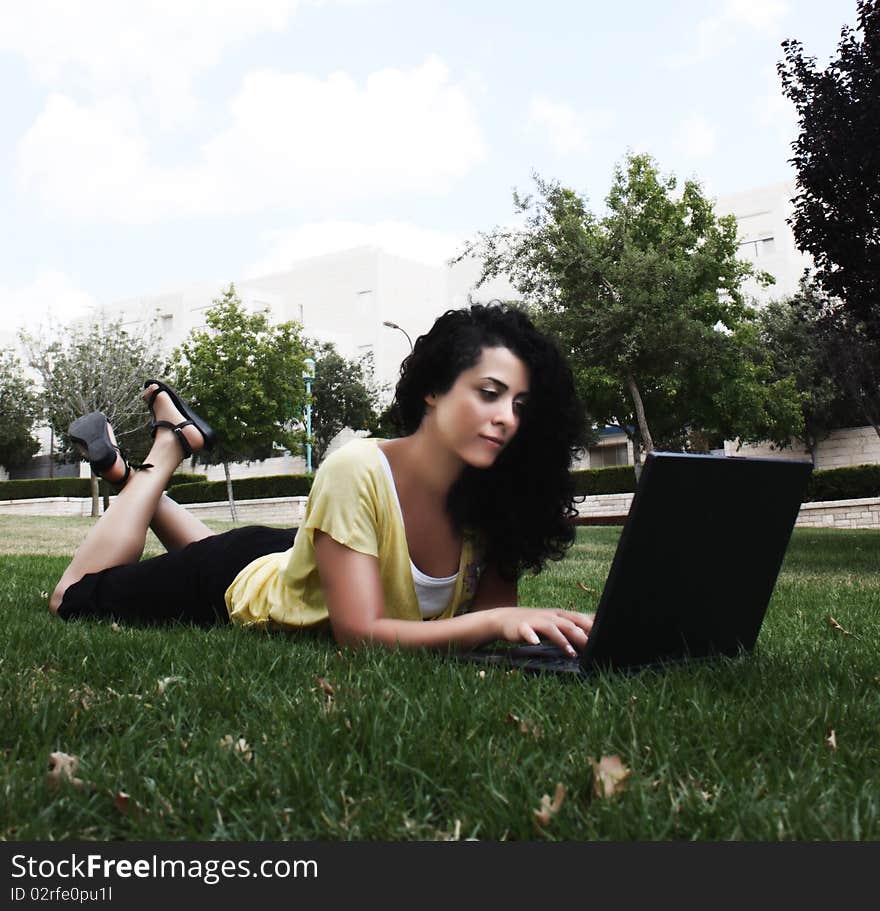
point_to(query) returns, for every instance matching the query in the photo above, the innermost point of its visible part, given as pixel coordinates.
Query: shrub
(592, 481)
(185, 477)
(285, 485)
(850, 483)
(29, 488)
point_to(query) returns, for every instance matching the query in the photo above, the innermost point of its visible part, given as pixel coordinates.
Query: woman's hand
(564, 628)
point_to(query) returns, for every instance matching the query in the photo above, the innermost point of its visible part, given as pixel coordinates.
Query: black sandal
(192, 419)
(91, 437)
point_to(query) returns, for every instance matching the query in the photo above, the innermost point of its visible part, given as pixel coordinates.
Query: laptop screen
(697, 559)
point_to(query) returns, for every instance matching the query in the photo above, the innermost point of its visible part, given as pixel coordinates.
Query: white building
(766, 239)
(347, 298)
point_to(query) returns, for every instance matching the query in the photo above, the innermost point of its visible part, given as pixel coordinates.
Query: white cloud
(293, 140)
(773, 110)
(568, 130)
(409, 241)
(696, 137)
(154, 50)
(762, 15)
(51, 298)
(719, 30)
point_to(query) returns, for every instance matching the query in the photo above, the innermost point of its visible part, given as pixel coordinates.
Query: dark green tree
(244, 376)
(343, 395)
(648, 302)
(19, 411)
(96, 367)
(836, 215)
(799, 346)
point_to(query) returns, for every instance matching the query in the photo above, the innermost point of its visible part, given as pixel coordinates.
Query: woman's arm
(353, 592)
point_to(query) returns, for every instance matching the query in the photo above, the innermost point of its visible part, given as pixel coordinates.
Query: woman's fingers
(584, 621)
(568, 630)
(527, 634)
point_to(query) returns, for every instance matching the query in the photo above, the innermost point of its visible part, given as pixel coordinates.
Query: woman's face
(480, 414)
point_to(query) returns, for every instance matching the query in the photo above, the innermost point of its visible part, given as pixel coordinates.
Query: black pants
(187, 584)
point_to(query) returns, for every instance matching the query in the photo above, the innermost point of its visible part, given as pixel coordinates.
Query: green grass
(417, 747)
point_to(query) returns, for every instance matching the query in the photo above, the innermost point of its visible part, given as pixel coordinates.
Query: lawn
(186, 733)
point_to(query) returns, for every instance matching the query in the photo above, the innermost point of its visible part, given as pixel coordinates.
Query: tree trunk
(647, 441)
(95, 498)
(229, 493)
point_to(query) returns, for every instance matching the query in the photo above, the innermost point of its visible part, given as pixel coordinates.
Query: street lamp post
(308, 376)
(391, 325)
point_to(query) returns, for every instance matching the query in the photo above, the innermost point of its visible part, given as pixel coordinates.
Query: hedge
(593, 481)
(32, 488)
(849, 483)
(282, 485)
(185, 477)
(36, 488)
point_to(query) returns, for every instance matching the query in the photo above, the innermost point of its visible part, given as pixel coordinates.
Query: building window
(756, 249)
(608, 456)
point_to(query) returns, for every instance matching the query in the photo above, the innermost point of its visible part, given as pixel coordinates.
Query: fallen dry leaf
(584, 588)
(326, 686)
(525, 726)
(549, 808)
(62, 770)
(609, 776)
(115, 627)
(831, 740)
(243, 749)
(239, 746)
(126, 806)
(165, 682)
(835, 625)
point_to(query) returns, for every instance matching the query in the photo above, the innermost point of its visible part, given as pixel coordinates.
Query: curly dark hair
(520, 508)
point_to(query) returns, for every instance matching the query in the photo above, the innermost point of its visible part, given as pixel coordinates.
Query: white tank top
(433, 594)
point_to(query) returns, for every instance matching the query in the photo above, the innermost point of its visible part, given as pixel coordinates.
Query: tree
(836, 215)
(244, 376)
(343, 395)
(19, 411)
(647, 301)
(800, 346)
(96, 367)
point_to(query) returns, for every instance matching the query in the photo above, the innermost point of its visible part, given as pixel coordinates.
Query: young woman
(435, 526)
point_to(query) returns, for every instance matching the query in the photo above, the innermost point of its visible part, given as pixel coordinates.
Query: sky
(148, 145)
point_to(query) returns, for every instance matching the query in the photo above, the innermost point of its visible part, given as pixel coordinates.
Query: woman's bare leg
(120, 534)
(175, 526)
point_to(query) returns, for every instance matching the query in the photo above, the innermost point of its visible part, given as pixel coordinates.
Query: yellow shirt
(351, 500)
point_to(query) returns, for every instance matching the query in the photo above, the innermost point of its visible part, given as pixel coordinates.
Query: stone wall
(604, 509)
(280, 510)
(851, 446)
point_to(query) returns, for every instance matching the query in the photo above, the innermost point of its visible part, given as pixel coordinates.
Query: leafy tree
(385, 423)
(647, 301)
(19, 411)
(837, 207)
(343, 395)
(799, 346)
(96, 367)
(837, 156)
(244, 376)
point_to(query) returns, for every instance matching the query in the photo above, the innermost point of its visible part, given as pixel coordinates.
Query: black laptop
(694, 569)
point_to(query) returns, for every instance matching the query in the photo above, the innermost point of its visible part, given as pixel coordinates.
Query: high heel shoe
(91, 436)
(209, 438)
